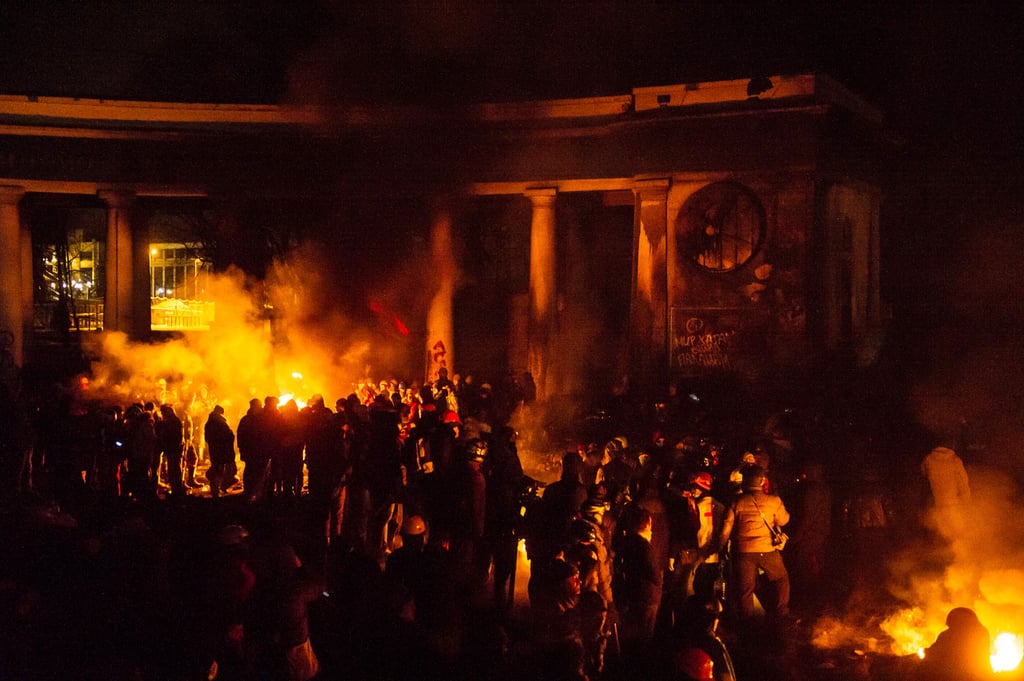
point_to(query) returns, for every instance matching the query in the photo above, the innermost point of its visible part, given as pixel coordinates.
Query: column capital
(652, 186)
(11, 194)
(116, 198)
(541, 195)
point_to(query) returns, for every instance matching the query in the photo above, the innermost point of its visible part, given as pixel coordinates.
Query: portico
(754, 231)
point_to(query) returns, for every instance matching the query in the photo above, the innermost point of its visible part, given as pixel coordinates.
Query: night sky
(945, 73)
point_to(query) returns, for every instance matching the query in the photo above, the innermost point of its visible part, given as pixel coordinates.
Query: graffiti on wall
(438, 358)
(717, 340)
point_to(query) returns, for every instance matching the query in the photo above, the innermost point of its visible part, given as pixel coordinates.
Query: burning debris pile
(940, 573)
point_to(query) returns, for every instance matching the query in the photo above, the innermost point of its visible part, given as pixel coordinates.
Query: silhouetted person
(961, 652)
(140, 445)
(504, 473)
(171, 441)
(277, 625)
(221, 441)
(810, 539)
(327, 464)
(286, 468)
(636, 584)
(549, 520)
(467, 489)
(561, 653)
(249, 447)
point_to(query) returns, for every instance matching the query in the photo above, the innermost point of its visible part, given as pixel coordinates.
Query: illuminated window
(721, 226)
(177, 285)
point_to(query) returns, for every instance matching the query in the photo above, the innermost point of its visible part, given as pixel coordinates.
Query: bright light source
(1007, 652)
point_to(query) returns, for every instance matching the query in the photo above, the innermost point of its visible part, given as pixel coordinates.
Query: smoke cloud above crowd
(278, 336)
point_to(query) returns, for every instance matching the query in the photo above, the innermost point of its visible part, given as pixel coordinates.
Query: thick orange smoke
(269, 337)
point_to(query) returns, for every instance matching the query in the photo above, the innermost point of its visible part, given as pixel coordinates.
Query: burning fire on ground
(965, 570)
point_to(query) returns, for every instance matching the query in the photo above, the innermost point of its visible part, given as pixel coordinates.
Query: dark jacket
(636, 581)
(220, 438)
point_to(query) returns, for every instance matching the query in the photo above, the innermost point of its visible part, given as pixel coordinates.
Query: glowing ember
(1007, 652)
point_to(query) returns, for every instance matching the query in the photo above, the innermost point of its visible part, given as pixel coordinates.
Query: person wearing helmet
(420, 567)
(752, 522)
(414, 527)
(961, 651)
(697, 524)
(710, 515)
(698, 629)
(693, 664)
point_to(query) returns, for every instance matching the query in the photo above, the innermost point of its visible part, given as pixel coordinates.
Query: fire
(287, 397)
(1007, 652)
(912, 630)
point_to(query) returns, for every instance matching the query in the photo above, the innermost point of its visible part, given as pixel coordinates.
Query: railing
(174, 314)
(166, 314)
(84, 315)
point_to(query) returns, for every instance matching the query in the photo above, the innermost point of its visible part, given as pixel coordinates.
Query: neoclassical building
(685, 231)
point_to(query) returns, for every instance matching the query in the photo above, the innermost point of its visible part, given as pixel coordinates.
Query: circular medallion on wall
(721, 226)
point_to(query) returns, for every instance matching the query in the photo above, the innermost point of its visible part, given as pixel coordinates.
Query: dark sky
(940, 69)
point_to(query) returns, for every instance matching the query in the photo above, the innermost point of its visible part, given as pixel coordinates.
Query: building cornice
(57, 116)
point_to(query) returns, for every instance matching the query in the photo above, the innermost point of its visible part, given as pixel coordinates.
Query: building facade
(741, 218)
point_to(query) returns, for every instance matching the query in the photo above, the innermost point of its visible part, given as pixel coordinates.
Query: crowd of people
(383, 538)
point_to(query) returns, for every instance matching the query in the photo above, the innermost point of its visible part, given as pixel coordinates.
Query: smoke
(981, 562)
(276, 336)
(232, 359)
(975, 565)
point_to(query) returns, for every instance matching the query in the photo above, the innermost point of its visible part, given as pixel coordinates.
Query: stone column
(543, 287)
(12, 319)
(117, 301)
(28, 303)
(440, 333)
(649, 309)
(141, 300)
